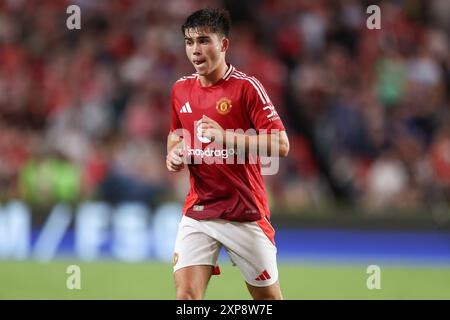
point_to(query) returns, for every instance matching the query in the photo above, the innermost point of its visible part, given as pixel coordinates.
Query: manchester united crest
(223, 106)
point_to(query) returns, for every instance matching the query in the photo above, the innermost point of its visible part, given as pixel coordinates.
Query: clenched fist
(175, 159)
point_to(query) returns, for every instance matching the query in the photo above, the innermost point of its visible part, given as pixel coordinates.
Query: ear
(225, 44)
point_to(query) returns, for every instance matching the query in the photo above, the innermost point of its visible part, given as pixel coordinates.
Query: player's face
(205, 50)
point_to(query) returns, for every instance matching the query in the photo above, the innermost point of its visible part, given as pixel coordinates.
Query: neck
(214, 76)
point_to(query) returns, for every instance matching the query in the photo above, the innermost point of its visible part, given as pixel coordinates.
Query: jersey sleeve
(175, 123)
(262, 112)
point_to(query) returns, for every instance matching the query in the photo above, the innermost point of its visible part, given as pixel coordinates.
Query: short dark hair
(215, 20)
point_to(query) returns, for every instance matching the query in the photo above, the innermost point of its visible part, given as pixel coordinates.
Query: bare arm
(261, 144)
(264, 142)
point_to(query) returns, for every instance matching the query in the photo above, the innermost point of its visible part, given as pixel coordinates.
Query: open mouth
(199, 62)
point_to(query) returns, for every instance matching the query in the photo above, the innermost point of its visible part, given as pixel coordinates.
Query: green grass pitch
(151, 280)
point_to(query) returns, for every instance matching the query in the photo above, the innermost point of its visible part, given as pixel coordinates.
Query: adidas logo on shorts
(263, 276)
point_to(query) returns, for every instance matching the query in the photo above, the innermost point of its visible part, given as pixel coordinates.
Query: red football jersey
(227, 191)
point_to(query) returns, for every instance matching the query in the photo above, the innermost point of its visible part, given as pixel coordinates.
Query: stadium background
(84, 116)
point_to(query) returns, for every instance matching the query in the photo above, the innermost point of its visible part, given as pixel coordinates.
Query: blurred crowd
(84, 114)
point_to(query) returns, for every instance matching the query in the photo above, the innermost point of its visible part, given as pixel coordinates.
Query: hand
(211, 129)
(175, 159)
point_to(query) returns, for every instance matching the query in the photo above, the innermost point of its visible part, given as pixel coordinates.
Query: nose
(196, 50)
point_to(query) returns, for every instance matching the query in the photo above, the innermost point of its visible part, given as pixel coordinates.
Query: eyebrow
(199, 38)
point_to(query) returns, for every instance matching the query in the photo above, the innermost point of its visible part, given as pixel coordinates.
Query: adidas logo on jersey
(186, 108)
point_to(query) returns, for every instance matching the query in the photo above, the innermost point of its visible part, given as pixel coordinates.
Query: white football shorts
(199, 242)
